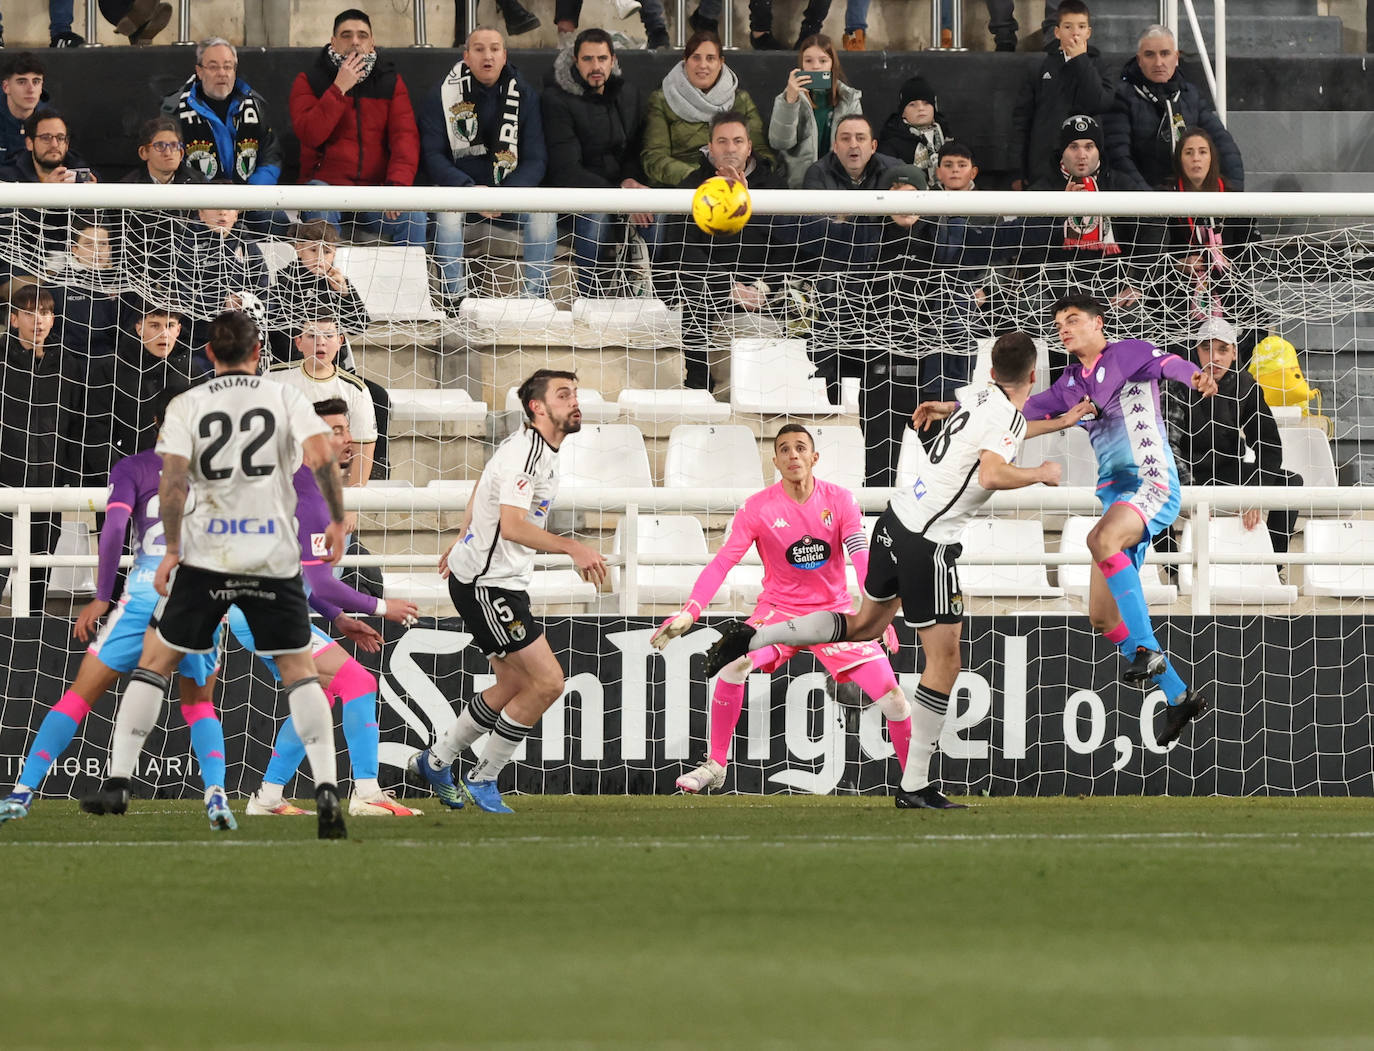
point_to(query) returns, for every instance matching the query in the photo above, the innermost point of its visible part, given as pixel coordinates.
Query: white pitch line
(1172, 838)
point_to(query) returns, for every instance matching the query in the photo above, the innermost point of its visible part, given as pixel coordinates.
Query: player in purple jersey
(115, 650)
(343, 678)
(1137, 484)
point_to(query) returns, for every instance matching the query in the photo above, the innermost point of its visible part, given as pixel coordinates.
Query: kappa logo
(780, 523)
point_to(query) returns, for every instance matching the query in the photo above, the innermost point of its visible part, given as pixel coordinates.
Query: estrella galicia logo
(808, 553)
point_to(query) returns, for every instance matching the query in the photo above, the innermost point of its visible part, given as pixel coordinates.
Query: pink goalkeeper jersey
(802, 547)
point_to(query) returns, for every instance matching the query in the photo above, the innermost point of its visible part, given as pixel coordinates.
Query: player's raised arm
(708, 582)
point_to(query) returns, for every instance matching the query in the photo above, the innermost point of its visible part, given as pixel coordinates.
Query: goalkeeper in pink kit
(802, 527)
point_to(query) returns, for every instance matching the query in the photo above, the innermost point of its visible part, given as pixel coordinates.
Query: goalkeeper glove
(678, 624)
(890, 642)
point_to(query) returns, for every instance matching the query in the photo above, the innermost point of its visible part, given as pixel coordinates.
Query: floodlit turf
(718, 922)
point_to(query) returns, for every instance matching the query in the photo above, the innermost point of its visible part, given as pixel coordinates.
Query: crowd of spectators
(1079, 127)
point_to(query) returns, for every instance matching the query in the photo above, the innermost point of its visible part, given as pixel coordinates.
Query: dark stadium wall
(977, 91)
(1040, 711)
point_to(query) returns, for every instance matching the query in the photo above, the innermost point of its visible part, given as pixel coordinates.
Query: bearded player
(802, 526)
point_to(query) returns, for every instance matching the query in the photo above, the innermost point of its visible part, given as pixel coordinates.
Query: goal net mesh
(691, 352)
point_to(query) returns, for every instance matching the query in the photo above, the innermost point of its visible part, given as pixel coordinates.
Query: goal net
(840, 311)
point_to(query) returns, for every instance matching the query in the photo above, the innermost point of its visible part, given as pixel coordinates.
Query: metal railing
(1198, 503)
(1214, 66)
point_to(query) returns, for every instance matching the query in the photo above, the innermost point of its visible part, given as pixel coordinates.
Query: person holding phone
(809, 109)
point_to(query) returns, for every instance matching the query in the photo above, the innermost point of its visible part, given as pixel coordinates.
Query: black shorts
(499, 620)
(275, 608)
(922, 573)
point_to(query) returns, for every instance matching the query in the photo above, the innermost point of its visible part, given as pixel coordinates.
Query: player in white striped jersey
(238, 439)
(916, 542)
(489, 569)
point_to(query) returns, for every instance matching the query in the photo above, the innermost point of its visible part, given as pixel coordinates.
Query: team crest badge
(503, 165)
(826, 517)
(201, 156)
(246, 160)
(956, 605)
(517, 630)
(463, 117)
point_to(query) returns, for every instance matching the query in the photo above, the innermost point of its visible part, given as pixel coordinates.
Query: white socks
(315, 727)
(135, 720)
(925, 732)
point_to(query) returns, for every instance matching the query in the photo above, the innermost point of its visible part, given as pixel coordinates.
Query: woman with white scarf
(678, 123)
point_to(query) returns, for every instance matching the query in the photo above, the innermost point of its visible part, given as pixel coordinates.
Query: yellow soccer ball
(721, 206)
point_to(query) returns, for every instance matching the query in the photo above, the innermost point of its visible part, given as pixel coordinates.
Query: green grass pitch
(636, 922)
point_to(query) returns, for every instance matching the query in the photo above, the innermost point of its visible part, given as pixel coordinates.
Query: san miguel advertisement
(1039, 711)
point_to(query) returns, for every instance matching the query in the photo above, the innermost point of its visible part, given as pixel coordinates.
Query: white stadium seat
(1023, 539)
(1237, 584)
(774, 377)
(445, 404)
(982, 366)
(842, 455)
(1072, 450)
(912, 459)
(507, 320)
(595, 408)
(672, 406)
(603, 455)
(74, 539)
(665, 535)
(549, 587)
(707, 456)
(1074, 578)
(1340, 537)
(392, 280)
(610, 321)
(1307, 453)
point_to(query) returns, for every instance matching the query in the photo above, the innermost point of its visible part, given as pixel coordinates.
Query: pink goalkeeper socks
(725, 708)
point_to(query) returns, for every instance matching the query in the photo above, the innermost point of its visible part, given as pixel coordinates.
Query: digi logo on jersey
(240, 526)
(809, 553)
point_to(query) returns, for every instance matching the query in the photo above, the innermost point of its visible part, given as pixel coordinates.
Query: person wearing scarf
(1204, 247)
(680, 112)
(352, 114)
(915, 133)
(1153, 105)
(482, 126)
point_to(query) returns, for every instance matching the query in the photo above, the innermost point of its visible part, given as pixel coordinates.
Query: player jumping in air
(342, 676)
(489, 568)
(801, 527)
(238, 438)
(115, 650)
(1137, 484)
(916, 543)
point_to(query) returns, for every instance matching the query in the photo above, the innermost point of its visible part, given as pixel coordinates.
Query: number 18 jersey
(242, 435)
(946, 493)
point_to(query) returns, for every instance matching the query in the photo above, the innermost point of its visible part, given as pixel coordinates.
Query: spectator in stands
(706, 19)
(47, 155)
(566, 14)
(59, 25)
(726, 274)
(915, 133)
(1090, 250)
(891, 387)
(694, 92)
(519, 19)
(23, 88)
(808, 110)
(224, 122)
(1069, 81)
(593, 127)
(318, 376)
(482, 126)
(139, 20)
(311, 286)
(41, 407)
(1229, 439)
(845, 247)
(123, 388)
(219, 269)
(948, 299)
(84, 285)
(1153, 105)
(163, 155)
(352, 114)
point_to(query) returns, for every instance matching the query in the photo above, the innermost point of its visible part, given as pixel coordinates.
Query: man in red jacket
(352, 114)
